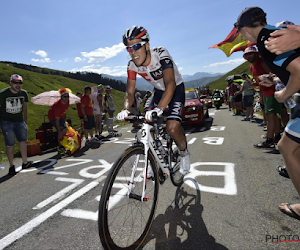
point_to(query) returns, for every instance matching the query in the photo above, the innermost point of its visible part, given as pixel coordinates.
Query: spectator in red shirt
(272, 106)
(57, 113)
(88, 115)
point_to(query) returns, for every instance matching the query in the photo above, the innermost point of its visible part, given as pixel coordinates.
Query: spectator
(253, 26)
(109, 102)
(231, 96)
(247, 91)
(80, 115)
(136, 104)
(271, 106)
(98, 110)
(88, 115)
(13, 103)
(146, 97)
(109, 107)
(57, 115)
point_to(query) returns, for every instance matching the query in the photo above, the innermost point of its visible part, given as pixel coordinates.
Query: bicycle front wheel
(124, 220)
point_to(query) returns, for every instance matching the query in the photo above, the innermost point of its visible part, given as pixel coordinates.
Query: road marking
(57, 173)
(217, 128)
(192, 141)
(230, 187)
(105, 167)
(80, 214)
(213, 140)
(29, 226)
(58, 195)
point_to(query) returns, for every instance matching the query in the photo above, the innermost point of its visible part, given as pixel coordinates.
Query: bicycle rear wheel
(124, 220)
(176, 176)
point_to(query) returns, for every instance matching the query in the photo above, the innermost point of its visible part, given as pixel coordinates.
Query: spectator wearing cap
(253, 26)
(109, 105)
(57, 114)
(98, 110)
(13, 104)
(88, 115)
(79, 112)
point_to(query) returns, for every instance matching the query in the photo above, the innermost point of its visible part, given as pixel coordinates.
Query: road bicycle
(129, 195)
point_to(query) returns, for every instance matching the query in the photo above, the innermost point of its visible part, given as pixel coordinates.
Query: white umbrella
(50, 97)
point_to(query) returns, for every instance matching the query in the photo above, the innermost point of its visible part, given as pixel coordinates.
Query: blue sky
(87, 35)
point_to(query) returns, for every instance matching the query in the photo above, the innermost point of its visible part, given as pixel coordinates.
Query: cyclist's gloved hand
(148, 114)
(123, 114)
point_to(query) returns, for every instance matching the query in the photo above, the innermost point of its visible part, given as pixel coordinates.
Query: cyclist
(157, 67)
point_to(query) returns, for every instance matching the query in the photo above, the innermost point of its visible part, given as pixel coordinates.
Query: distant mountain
(199, 79)
(200, 75)
(201, 82)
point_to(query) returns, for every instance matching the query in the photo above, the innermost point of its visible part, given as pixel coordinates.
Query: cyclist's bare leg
(175, 130)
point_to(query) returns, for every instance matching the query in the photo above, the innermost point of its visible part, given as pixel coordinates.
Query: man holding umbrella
(57, 113)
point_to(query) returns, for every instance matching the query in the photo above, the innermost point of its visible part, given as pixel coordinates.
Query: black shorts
(238, 98)
(175, 106)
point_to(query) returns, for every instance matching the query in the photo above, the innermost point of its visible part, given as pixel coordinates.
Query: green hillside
(36, 83)
(222, 84)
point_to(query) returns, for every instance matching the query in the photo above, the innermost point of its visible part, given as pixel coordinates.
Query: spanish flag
(234, 42)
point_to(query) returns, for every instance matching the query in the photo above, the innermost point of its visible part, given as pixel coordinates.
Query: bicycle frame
(149, 144)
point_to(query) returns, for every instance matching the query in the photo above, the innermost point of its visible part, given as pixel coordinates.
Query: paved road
(228, 201)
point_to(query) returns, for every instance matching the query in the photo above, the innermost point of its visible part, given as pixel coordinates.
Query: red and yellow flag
(234, 42)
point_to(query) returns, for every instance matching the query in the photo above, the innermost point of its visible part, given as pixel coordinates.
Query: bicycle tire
(176, 176)
(124, 222)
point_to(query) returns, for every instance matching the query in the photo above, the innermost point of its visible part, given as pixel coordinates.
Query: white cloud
(113, 71)
(102, 54)
(230, 62)
(78, 59)
(44, 60)
(40, 53)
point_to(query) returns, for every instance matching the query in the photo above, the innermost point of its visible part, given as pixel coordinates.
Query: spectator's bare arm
(285, 40)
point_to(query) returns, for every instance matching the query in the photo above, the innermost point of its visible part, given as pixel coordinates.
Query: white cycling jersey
(153, 73)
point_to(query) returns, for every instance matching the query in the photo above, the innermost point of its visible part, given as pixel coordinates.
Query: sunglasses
(135, 47)
(65, 96)
(18, 83)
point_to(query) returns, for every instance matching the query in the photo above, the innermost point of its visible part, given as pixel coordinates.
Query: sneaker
(265, 128)
(88, 142)
(264, 136)
(27, 164)
(94, 139)
(282, 171)
(277, 138)
(113, 134)
(251, 116)
(12, 170)
(185, 163)
(261, 124)
(245, 119)
(265, 144)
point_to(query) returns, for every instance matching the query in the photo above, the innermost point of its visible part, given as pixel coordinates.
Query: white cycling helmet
(284, 24)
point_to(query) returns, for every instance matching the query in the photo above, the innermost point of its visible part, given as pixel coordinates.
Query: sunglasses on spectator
(135, 47)
(17, 82)
(66, 96)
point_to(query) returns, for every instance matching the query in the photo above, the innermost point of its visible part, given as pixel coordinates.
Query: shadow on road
(182, 225)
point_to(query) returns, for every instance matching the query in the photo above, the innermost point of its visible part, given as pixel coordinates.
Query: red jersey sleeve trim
(131, 74)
